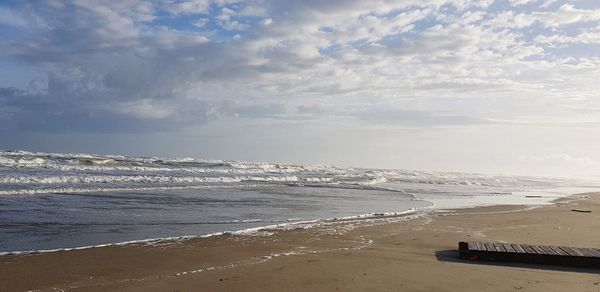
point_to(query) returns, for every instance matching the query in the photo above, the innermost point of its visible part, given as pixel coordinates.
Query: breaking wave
(24, 172)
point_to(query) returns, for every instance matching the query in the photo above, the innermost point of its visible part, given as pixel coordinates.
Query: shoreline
(307, 224)
(251, 231)
(170, 263)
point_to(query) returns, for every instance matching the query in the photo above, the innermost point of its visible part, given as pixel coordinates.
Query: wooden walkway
(533, 254)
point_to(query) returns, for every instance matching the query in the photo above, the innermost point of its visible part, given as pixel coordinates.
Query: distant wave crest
(24, 172)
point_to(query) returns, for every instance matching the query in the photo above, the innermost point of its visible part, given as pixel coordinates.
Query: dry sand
(377, 255)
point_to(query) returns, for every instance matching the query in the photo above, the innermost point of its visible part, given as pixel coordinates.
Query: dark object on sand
(581, 211)
(533, 196)
(530, 254)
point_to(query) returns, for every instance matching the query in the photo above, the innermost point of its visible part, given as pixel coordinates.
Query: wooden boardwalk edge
(530, 254)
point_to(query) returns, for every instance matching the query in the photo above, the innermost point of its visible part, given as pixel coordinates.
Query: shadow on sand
(452, 256)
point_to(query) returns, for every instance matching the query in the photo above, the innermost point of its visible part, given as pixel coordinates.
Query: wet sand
(374, 255)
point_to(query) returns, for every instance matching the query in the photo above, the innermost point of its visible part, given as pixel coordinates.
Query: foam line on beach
(362, 243)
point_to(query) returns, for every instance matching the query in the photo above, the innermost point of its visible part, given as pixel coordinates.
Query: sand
(376, 255)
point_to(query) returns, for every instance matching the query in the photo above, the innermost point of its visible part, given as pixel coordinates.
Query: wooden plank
(578, 251)
(518, 248)
(528, 249)
(594, 251)
(472, 245)
(558, 251)
(489, 246)
(548, 250)
(481, 246)
(588, 252)
(508, 247)
(499, 247)
(569, 251)
(537, 249)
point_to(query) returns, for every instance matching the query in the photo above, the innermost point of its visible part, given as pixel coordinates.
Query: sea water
(59, 200)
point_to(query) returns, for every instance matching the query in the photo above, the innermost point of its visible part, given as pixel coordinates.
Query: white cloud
(548, 3)
(267, 21)
(589, 36)
(188, 6)
(341, 55)
(201, 22)
(226, 21)
(509, 19)
(566, 14)
(520, 2)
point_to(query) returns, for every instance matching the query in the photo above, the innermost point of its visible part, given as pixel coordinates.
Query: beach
(278, 145)
(203, 145)
(413, 253)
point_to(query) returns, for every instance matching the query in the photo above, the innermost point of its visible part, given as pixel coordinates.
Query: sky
(492, 86)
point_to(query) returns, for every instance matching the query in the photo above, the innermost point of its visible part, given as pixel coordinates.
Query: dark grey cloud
(42, 112)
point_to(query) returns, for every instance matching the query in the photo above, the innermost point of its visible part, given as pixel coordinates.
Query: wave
(376, 180)
(23, 172)
(23, 162)
(113, 179)
(8, 157)
(111, 167)
(88, 161)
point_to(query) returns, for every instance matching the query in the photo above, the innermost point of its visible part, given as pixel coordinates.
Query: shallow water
(56, 200)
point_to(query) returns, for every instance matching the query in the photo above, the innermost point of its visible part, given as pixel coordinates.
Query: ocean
(51, 201)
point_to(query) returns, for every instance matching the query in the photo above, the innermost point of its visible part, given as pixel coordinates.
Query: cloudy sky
(501, 86)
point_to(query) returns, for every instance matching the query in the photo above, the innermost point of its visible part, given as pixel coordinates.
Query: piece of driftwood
(581, 211)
